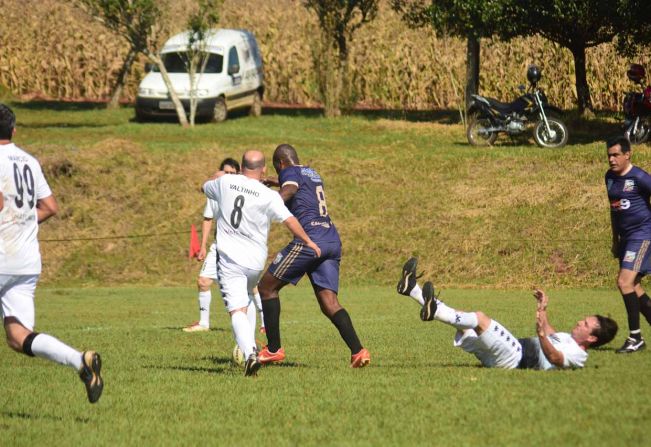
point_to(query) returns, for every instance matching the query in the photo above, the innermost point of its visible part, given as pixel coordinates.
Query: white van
(233, 77)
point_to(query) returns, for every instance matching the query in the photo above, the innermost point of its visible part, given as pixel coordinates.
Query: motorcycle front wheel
(476, 132)
(642, 132)
(557, 135)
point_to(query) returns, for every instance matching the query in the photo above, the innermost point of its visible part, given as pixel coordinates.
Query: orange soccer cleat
(361, 359)
(265, 356)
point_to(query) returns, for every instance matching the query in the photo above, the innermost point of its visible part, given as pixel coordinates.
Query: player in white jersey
(208, 273)
(246, 209)
(495, 346)
(26, 202)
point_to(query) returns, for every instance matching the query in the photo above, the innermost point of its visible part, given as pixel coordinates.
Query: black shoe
(408, 279)
(429, 308)
(90, 375)
(631, 345)
(252, 365)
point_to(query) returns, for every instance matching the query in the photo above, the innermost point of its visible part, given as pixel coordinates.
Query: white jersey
(573, 355)
(246, 208)
(210, 211)
(22, 184)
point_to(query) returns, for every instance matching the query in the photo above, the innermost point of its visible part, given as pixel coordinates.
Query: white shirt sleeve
(277, 211)
(573, 355)
(209, 210)
(211, 189)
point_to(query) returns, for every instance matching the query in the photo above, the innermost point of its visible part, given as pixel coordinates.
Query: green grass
(166, 387)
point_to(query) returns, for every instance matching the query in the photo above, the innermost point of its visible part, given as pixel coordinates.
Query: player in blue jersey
(302, 190)
(629, 189)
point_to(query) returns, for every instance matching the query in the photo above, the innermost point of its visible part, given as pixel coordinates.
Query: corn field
(50, 50)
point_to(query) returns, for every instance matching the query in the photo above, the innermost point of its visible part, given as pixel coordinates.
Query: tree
(635, 30)
(196, 57)
(575, 25)
(338, 20)
(141, 23)
(469, 19)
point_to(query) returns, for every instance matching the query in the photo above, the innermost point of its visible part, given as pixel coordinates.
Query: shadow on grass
(33, 417)
(180, 328)
(431, 116)
(189, 369)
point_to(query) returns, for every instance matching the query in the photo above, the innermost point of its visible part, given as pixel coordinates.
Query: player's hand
(269, 181)
(542, 299)
(202, 254)
(316, 249)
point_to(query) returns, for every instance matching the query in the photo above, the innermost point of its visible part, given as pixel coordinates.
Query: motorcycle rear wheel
(476, 132)
(642, 132)
(556, 138)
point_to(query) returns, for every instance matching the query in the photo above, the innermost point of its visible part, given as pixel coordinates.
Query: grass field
(166, 387)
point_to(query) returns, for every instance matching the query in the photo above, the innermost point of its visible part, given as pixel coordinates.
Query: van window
(176, 63)
(233, 58)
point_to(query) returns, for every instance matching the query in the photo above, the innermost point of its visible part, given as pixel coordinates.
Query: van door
(236, 95)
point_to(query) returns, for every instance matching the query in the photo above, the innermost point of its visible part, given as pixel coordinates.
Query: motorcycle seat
(506, 108)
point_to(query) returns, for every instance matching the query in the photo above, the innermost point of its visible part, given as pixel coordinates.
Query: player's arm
(553, 355)
(614, 249)
(297, 230)
(541, 316)
(2, 201)
(46, 208)
(206, 225)
(270, 181)
(287, 191)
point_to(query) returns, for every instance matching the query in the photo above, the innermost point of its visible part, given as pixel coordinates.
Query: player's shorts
(209, 267)
(496, 347)
(296, 259)
(236, 283)
(17, 296)
(634, 255)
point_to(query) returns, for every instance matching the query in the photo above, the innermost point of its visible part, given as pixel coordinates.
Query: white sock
(460, 320)
(417, 294)
(204, 308)
(251, 313)
(258, 304)
(243, 333)
(47, 347)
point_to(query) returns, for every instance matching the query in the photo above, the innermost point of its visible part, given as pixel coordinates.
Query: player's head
(285, 155)
(594, 331)
(7, 123)
(253, 164)
(619, 154)
(230, 166)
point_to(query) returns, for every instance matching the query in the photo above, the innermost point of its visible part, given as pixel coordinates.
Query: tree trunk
(472, 68)
(582, 87)
(121, 80)
(180, 111)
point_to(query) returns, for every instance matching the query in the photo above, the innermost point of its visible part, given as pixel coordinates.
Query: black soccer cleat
(90, 375)
(429, 308)
(252, 365)
(408, 279)
(631, 345)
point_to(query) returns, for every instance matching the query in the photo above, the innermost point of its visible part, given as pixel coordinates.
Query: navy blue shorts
(295, 260)
(635, 255)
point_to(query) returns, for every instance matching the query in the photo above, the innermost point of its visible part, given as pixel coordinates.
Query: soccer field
(167, 387)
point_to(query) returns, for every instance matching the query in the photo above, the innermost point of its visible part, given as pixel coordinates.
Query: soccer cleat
(265, 356)
(252, 365)
(196, 327)
(90, 375)
(361, 359)
(408, 279)
(631, 345)
(429, 308)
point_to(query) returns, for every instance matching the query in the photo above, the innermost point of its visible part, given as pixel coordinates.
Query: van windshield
(176, 63)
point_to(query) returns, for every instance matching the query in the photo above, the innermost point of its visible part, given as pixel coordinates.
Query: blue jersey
(309, 203)
(629, 203)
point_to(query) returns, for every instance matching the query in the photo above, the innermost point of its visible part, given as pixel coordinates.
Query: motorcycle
(637, 108)
(488, 117)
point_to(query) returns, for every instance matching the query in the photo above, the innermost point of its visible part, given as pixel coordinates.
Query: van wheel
(220, 112)
(256, 107)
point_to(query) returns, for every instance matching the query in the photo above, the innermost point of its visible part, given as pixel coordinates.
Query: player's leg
(18, 320)
(207, 276)
(258, 305)
(408, 285)
(269, 288)
(435, 309)
(645, 301)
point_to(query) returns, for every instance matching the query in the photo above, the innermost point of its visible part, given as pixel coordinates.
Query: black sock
(645, 307)
(632, 304)
(271, 311)
(343, 323)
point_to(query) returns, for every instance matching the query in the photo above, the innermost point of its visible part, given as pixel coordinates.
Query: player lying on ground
(27, 201)
(494, 345)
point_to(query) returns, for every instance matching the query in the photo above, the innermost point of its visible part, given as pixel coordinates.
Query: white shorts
(236, 283)
(17, 296)
(209, 267)
(496, 347)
